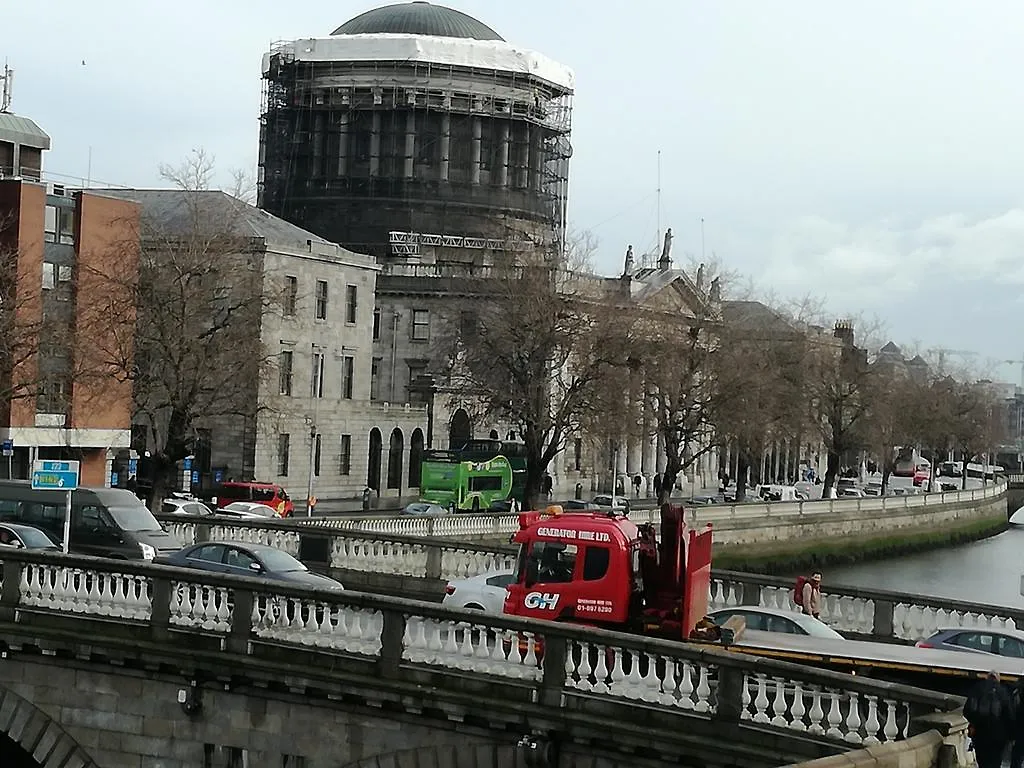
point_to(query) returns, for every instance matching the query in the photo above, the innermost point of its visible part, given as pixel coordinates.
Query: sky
(867, 154)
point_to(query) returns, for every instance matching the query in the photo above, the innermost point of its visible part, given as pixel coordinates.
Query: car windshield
(35, 539)
(134, 518)
(814, 627)
(280, 562)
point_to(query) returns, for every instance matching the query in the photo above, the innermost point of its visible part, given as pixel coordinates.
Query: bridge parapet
(555, 671)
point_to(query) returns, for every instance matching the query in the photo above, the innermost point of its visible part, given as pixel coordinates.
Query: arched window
(460, 431)
(494, 435)
(373, 460)
(415, 457)
(395, 447)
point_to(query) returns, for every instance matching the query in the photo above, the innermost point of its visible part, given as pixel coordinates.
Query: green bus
(478, 476)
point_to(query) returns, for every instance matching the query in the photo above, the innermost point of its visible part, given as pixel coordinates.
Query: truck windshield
(134, 518)
(520, 571)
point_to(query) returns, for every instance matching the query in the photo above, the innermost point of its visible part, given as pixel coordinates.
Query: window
(374, 378)
(500, 581)
(51, 397)
(420, 325)
(467, 323)
(321, 300)
(317, 442)
(283, 445)
(345, 456)
(348, 374)
(595, 563)
(50, 224)
(286, 373)
(211, 553)
(49, 275)
(555, 561)
(415, 371)
(66, 225)
(485, 483)
(351, 294)
(376, 323)
(316, 383)
(236, 558)
(1010, 646)
(291, 295)
(977, 641)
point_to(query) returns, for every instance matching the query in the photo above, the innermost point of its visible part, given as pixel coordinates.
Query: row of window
(419, 329)
(320, 300)
(59, 225)
(284, 446)
(286, 369)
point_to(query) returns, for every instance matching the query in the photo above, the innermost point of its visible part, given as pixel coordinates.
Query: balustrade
(556, 660)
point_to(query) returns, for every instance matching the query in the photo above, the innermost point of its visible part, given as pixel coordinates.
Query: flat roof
(22, 130)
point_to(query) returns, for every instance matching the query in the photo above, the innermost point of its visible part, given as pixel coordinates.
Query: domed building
(415, 132)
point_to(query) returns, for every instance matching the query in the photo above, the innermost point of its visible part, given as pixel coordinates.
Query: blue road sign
(218, 476)
(133, 466)
(188, 465)
(113, 479)
(195, 476)
(54, 475)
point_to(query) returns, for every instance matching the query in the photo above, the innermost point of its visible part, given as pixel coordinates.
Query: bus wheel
(476, 504)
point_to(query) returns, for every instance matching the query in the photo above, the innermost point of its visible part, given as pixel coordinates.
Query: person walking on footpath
(989, 711)
(1017, 732)
(811, 594)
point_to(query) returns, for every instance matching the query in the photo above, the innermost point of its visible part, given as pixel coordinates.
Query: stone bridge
(112, 664)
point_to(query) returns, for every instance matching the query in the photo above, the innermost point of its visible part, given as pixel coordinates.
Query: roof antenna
(6, 83)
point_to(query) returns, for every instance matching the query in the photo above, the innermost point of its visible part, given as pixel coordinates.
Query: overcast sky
(869, 153)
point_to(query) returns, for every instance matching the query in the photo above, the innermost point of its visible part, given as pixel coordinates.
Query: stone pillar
(634, 457)
(375, 145)
(343, 145)
(108, 467)
(787, 470)
(446, 143)
(503, 155)
(622, 458)
(524, 160)
(660, 453)
(317, 167)
(410, 143)
(474, 157)
(537, 153)
(775, 461)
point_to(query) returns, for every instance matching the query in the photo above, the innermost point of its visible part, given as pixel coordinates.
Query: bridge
(104, 662)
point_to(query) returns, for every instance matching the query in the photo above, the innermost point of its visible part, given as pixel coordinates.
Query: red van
(271, 494)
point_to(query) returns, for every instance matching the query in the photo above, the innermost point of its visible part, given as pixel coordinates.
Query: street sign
(133, 466)
(54, 475)
(195, 477)
(188, 464)
(113, 479)
(7, 448)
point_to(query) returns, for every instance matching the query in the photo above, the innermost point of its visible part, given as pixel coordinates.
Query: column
(108, 467)
(375, 145)
(524, 161)
(317, 166)
(775, 461)
(537, 153)
(634, 456)
(343, 145)
(446, 143)
(660, 453)
(787, 468)
(503, 155)
(410, 143)
(474, 158)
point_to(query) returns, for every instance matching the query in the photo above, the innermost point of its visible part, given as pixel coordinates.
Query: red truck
(601, 569)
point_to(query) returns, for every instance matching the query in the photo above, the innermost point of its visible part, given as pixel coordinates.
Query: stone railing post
(160, 616)
(556, 651)
(881, 623)
(730, 694)
(433, 568)
(241, 622)
(10, 597)
(391, 644)
(952, 727)
(751, 593)
(202, 532)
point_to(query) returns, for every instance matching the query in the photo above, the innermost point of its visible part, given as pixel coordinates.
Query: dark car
(240, 559)
(1001, 642)
(25, 537)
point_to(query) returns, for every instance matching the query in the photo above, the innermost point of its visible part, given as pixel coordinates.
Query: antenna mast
(657, 239)
(6, 83)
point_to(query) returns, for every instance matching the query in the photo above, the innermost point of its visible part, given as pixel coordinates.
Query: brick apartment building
(57, 398)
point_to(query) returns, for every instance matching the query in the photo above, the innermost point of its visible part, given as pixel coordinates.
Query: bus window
(485, 483)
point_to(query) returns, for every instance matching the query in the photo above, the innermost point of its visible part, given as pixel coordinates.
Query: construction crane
(942, 352)
(1021, 364)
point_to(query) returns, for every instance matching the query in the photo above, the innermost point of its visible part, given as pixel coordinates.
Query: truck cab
(601, 569)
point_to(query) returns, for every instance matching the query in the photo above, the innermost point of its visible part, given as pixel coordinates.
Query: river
(987, 571)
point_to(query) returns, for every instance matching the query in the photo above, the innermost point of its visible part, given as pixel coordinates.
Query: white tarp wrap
(482, 54)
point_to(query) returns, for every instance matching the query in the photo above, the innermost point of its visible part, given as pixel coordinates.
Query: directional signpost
(57, 476)
(7, 449)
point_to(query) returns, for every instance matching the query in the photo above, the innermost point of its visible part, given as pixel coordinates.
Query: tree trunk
(963, 475)
(668, 480)
(742, 465)
(831, 473)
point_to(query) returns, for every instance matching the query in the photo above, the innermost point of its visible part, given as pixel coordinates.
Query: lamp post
(318, 374)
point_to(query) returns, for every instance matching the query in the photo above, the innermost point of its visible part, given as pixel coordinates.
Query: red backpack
(798, 590)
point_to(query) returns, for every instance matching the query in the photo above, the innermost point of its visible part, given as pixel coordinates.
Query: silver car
(773, 620)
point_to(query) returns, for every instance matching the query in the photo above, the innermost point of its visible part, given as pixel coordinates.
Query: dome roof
(417, 18)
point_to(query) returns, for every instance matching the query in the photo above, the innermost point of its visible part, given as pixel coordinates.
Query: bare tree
(200, 295)
(21, 318)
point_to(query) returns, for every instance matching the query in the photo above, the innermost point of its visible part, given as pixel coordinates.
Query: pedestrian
(1017, 731)
(637, 482)
(989, 711)
(811, 593)
(657, 485)
(548, 484)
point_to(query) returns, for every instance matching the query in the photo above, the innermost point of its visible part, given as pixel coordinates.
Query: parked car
(873, 488)
(248, 509)
(485, 592)
(849, 493)
(773, 620)
(1002, 642)
(26, 537)
(179, 506)
(420, 508)
(240, 559)
(921, 477)
(614, 503)
(270, 494)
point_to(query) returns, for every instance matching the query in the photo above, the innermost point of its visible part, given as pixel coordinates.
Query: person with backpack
(807, 594)
(989, 710)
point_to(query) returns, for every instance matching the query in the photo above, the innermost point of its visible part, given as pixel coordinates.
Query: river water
(987, 571)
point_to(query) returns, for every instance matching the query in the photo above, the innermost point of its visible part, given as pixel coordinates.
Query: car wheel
(473, 607)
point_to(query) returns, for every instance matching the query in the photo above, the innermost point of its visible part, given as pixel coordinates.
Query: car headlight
(148, 552)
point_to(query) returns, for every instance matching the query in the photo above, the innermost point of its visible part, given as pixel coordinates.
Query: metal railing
(563, 666)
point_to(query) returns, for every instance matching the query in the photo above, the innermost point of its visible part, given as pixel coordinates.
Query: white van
(776, 493)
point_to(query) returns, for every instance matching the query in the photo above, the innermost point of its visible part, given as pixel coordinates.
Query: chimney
(844, 332)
